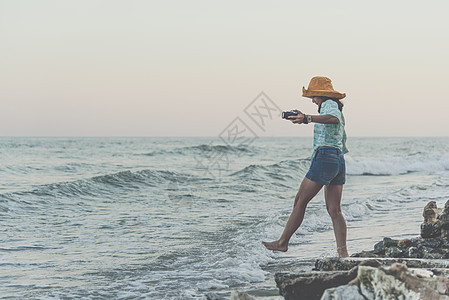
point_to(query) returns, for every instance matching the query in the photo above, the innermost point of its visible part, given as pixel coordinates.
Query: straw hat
(321, 86)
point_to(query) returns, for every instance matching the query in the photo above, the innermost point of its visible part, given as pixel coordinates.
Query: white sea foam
(396, 165)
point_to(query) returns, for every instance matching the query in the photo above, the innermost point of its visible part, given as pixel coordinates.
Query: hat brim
(322, 93)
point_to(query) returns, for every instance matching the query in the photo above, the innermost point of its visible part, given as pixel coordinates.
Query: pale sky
(189, 68)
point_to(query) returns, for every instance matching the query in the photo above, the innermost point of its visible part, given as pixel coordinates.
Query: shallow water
(177, 218)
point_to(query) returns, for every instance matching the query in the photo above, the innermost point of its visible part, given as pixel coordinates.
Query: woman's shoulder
(330, 102)
(329, 105)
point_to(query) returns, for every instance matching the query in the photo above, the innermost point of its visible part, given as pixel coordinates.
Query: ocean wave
(104, 185)
(397, 165)
(205, 149)
(281, 170)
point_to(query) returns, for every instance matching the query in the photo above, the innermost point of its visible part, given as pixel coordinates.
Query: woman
(328, 163)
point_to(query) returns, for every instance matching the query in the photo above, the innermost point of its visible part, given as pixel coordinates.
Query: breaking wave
(398, 165)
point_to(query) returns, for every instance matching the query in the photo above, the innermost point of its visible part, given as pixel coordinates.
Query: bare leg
(332, 194)
(307, 191)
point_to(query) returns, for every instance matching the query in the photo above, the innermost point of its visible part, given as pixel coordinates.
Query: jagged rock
(339, 264)
(413, 252)
(344, 292)
(379, 248)
(436, 221)
(388, 242)
(311, 285)
(431, 212)
(367, 254)
(393, 252)
(431, 243)
(444, 222)
(404, 243)
(374, 278)
(394, 282)
(430, 230)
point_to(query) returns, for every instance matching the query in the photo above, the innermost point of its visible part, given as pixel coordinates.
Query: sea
(183, 218)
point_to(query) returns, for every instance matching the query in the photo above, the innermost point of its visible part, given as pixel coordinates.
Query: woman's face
(317, 100)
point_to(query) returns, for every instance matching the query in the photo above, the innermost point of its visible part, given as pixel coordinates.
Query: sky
(198, 68)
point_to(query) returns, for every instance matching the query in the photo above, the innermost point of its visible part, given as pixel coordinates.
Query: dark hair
(340, 105)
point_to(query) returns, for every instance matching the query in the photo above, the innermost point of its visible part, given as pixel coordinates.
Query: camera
(286, 114)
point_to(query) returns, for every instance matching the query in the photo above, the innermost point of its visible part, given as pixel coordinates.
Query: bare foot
(275, 246)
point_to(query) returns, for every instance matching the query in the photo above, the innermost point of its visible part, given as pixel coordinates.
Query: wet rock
(444, 222)
(393, 252)
(431, 212)
(344, 292)
(394, 282)
(430, 230)
(388, 242)
(436, 221)
(360, 278)
(367, 254)
(376, 284)
(404, 243)
(379, 248)
(431, 243)
(338, 264)
(311, 285)
(413, 252)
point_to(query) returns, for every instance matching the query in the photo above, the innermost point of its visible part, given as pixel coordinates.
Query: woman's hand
(297, 119)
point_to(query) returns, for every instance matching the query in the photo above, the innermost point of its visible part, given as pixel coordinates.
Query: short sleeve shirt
(331, 135)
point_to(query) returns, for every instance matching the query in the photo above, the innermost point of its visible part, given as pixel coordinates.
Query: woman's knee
(334, 211)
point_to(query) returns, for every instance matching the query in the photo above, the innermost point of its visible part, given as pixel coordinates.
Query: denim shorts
(328, 167)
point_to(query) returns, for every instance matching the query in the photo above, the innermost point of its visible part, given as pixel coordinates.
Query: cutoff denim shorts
(328, 167)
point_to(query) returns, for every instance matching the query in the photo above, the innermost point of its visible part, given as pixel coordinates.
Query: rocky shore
(433, 243)
(416, 268)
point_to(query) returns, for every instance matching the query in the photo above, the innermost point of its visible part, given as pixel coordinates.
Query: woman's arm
(324, 119)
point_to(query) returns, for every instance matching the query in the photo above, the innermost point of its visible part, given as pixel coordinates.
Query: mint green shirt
(331, 135)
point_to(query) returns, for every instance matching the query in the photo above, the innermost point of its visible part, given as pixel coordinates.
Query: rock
(379, 248)
(404, 243)
(344, 292)
(430, 230)
(431, 243)
(335, 264)
(393, 252)
(311, 285)
(388, 242)
(422, 273)
(436, 221)
(236, 295)
(394, 282)
(375, 284)
(413, 252)
(338, 264)
(367, 254)
(431, 212)
(444, 222)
